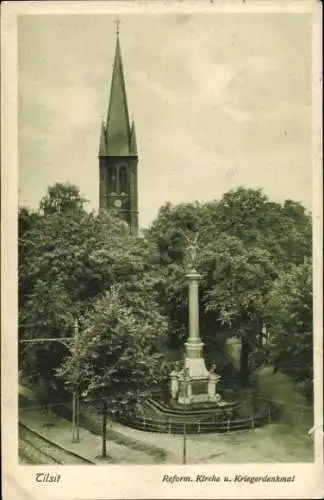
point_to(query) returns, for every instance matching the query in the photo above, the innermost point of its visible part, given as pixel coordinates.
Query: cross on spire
(117, 22)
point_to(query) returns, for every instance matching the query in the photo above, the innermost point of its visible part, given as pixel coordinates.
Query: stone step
(195, 412)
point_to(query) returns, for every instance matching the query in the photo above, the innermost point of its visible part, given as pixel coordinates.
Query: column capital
(193, 275)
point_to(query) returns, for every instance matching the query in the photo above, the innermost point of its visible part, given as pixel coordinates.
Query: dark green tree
(26, 220)
(284, 230)
(74, 257)
(117, 360)
(245, 241)
(58, 275)
(62, 198)
(290, 318)
(239, 280)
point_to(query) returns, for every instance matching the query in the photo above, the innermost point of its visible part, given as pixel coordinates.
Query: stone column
(193, 278)
(194, 360)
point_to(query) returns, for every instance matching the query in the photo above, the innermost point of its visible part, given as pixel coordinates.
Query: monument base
(194, 384)
(197, 391)
(194, 361)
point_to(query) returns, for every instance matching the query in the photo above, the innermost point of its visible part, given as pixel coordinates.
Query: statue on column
(191, 251)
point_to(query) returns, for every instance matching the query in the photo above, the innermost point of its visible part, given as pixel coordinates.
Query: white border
(140, 481)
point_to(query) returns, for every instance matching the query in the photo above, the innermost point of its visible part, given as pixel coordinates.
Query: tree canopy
(62, 198)
(245, 242)
(70, 261)
(290, 315)
(117, 356)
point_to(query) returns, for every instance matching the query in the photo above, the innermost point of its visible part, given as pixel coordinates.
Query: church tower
(118, 157)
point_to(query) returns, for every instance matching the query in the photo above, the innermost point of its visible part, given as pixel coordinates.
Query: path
(89, 445)
(284, 441)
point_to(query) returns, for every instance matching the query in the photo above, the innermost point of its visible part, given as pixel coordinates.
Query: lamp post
(186, 379)
(75, 396)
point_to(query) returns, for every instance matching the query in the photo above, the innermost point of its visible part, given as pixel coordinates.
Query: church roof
(118, 133)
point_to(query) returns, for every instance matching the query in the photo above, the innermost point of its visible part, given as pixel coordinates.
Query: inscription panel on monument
(199, 387)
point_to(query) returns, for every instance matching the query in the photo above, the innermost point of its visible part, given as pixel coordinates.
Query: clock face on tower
(118, 203)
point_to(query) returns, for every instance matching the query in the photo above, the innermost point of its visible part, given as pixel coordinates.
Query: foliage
(245, 241)
(62, 198)
(239, 280)
(69, 259)
(290, 314)
(284, 230)
(173, 224)
(66, 259)
(26, 221)
(47, 314)
(116, 355)
(247, 214)
(170, 233)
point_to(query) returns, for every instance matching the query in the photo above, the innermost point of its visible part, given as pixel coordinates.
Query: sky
(220, 101)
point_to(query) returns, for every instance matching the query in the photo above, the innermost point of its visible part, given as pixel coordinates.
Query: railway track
(37, 449)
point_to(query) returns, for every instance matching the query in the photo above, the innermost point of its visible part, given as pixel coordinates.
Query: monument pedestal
(197, 374)
(194, 384)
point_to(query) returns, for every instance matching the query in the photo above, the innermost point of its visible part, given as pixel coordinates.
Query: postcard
(161, 250)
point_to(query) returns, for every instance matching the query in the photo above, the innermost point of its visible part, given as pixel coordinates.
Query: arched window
(123, 180)
(112, 180)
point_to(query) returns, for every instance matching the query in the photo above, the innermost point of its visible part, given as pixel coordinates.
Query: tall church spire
(118, 159)
(118, 128)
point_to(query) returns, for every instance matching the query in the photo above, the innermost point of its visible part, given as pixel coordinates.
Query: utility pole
(75, 395)
(72, 345)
